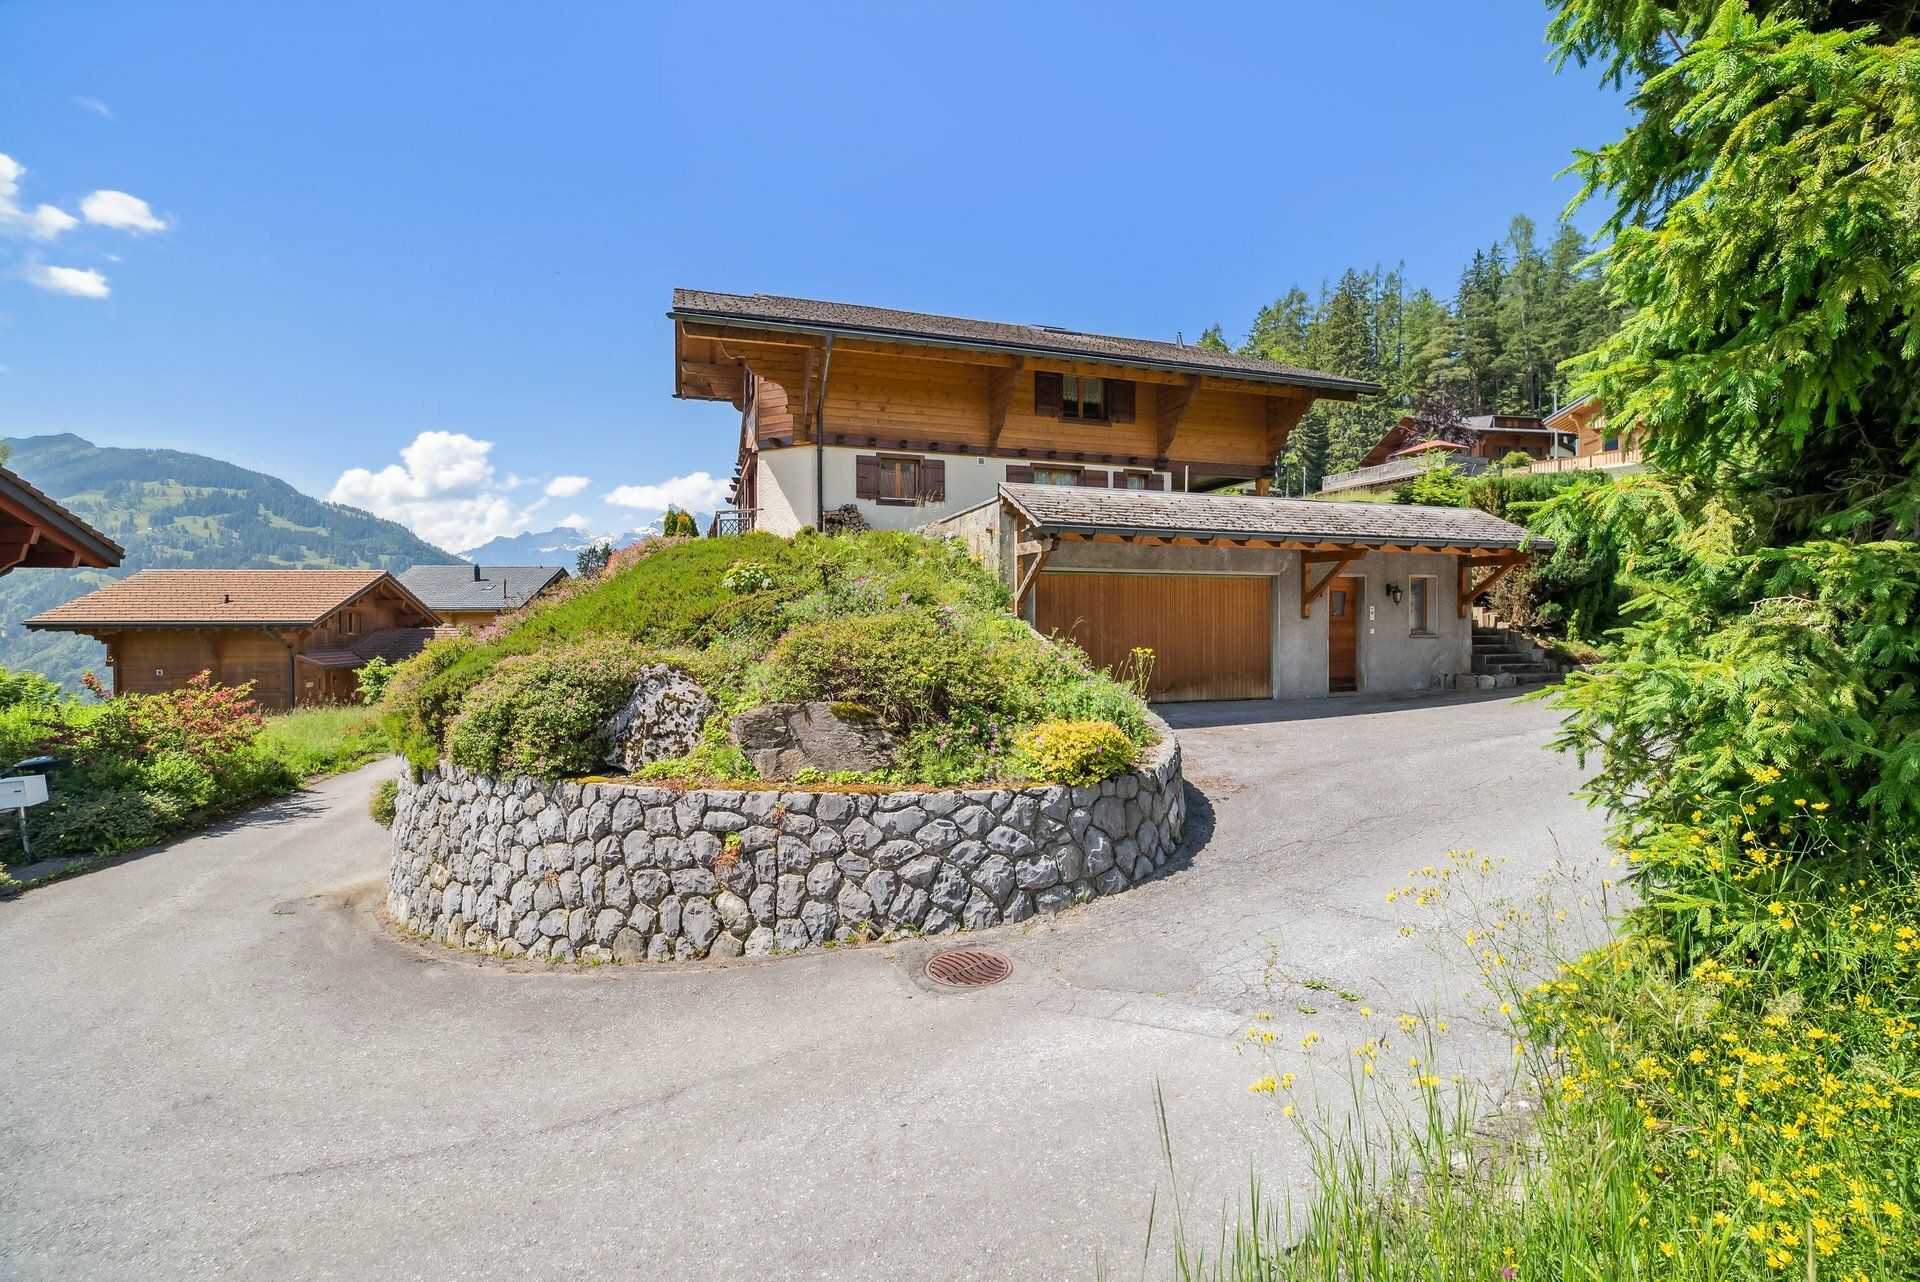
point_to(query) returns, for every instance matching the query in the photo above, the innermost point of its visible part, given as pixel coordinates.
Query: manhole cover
(968, 968)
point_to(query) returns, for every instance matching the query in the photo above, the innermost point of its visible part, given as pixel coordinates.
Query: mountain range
(172, 509)
(560, 546)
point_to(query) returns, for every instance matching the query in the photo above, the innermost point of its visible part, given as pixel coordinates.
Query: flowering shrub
(1076, 752)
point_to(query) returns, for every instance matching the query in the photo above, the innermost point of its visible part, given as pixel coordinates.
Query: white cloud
(118, 209)
(444, 489)
(696, 492)
(94, 105)
(565, 487)
(81, 282)
(42, 222)
(572, 520)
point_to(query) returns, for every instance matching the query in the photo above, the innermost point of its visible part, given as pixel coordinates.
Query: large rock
(662, 719)
(783, 739)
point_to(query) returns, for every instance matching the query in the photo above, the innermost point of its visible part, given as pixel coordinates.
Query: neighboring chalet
(1077, 466)
(35, 531)
(912, 417)
(476, 595)
(1409, 445)
(298, 635)
(1597, 445)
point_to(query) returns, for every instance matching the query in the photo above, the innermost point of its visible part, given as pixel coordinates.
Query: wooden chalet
(911, 417)
(299, 636)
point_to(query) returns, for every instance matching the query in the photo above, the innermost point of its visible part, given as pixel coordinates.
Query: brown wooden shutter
(1046, 394)
(866, 476)
(1120, 400)
(933, 480)
(1019, 474)
(1156, 482)
(1098, 480)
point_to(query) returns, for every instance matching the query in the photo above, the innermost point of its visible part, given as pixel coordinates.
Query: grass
(316, 742)
(1743, 1118)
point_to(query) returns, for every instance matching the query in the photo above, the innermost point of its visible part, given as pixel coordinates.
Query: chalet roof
(1064, 509)
(479, 587)
(776, 312)
(55, 529)
(218, 598)
(391, 644)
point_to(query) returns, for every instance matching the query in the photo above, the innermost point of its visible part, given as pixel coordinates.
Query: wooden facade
(960, 419)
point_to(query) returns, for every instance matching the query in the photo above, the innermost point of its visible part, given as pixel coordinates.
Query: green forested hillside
(1520, 309)
(173, 509)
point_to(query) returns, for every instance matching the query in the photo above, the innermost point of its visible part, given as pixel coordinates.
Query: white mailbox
(22, 791)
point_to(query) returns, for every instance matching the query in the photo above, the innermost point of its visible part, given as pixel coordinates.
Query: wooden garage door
(1210, 635)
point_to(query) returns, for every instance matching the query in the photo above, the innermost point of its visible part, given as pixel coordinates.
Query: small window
(1338, 602)
(1083, 398)
(899, 480)
(1056, 476)
(1134, 481)
(1419, 604)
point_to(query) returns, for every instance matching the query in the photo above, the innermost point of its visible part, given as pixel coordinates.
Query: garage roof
(1071, 509)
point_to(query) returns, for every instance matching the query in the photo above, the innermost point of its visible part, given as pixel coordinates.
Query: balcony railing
(1399, 470)
(730, 520)
(1601, 460)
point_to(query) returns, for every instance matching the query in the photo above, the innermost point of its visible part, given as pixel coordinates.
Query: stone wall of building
(626, 872)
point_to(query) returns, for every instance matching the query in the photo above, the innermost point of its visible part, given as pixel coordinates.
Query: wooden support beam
(1043, 549)
(1174, 402)
(1336, 563)
(1500, 567)
(1002, 384)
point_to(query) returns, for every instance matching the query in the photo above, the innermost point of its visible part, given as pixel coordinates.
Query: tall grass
(313, 742)
(1725, 1121)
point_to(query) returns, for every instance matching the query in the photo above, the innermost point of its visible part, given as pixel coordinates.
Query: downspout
(293, 675)
(820, 443)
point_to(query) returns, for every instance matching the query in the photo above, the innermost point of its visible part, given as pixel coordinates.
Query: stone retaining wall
(626, 872)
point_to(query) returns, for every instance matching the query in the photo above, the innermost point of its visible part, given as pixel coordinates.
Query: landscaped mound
(895, 646)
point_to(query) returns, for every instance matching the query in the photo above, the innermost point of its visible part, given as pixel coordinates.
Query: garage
(1211, 635)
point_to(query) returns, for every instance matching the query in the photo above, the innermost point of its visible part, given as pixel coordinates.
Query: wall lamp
(1393, 593)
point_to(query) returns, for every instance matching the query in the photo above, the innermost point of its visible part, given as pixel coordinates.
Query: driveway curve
(217, 1062)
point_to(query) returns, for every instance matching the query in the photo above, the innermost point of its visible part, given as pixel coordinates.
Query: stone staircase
(1507, 656)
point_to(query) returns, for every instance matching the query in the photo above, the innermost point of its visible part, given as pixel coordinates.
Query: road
(218, 1062)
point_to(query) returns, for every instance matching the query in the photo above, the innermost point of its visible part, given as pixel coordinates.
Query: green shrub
(381, 804)
(748, 576)
(541, 714)
(1517, 461)
(1075, 752)
(371, 680)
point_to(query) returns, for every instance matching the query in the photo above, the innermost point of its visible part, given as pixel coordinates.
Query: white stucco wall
(786, 487)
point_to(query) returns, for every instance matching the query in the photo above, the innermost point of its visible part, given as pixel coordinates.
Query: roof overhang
(36, 531)
(1329, 388)
(1278, 537)
(332, 659)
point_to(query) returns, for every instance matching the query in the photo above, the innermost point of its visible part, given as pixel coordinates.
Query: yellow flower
(1287, 1111)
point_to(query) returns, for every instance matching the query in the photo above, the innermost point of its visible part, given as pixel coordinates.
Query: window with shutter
(1094, 479)
(866, 477)
(1056, 476)
(1019, 474)
(933, 480)
(1046, 394)
(1120, 400)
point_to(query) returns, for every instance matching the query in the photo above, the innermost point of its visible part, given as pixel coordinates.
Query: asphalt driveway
(217, 1063)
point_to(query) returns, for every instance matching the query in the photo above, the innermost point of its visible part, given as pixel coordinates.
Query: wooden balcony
(1601, 460)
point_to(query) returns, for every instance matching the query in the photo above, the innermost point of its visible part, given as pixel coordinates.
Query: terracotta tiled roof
(1064, 507)
(213, 598)
(882, 322)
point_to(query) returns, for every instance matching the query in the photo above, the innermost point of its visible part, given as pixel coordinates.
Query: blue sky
(327, 230)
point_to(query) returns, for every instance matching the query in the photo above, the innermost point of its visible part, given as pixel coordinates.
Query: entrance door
(1343, 616)
(1211, 635)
